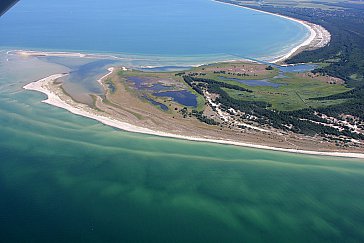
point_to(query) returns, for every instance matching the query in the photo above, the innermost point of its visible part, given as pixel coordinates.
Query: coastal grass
(257, 71)
(296, 91)
(294, 94)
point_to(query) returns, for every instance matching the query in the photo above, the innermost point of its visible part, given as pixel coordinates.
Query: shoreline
(316, 31)
(111, 70)
(53, 99)
(32, 53)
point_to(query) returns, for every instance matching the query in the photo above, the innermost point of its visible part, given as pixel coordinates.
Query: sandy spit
(44, 86)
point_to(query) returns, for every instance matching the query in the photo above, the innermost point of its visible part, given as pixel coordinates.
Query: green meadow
(294, 94)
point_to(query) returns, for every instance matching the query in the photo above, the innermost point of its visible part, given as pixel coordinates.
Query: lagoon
(253, 82)
(183, 97)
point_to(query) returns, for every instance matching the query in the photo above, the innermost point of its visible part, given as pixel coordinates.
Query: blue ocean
(173, 28)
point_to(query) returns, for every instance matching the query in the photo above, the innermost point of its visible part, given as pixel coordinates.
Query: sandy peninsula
(129, 113)
(58, 98)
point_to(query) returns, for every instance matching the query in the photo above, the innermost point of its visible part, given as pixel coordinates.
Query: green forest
(265, 116)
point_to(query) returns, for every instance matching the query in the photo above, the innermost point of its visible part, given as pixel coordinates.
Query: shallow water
(183, 97)
(156, 103)
(166, 69)
(297, 68)
(82, 80)
(139, 82)
(66, 178)
(159, 87)
(283, 70)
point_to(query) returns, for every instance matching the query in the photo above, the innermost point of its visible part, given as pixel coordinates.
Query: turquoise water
(163, 28)
(65, 178)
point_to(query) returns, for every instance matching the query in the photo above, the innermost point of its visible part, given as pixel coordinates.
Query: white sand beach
(111, 70)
